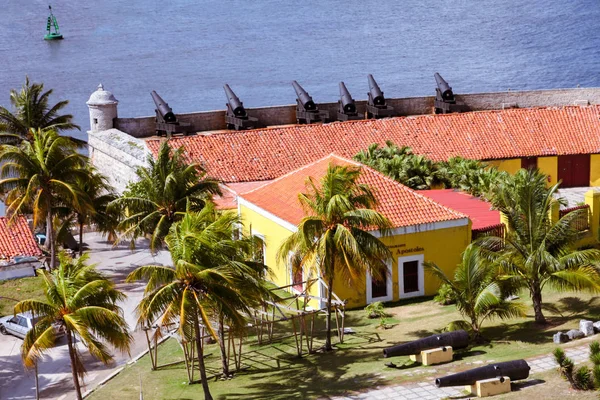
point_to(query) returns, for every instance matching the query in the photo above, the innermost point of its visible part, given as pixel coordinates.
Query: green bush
(376, 310)
(445, 295)
(582, 379)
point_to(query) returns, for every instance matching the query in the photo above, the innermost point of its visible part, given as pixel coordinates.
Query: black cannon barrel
(515, 370)
(347, 100)
(455, 339)
(163, 108)
(306, 101)
(445, 89)
(234, 102)
(376, 93)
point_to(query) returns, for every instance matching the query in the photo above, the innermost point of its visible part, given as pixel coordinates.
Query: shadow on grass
(320, 376)
(526, 332)
(516, 386)
(573, 307)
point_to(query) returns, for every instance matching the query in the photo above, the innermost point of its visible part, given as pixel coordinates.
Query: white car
(19, 325)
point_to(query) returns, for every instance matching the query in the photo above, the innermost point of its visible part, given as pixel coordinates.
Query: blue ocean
(186, 50)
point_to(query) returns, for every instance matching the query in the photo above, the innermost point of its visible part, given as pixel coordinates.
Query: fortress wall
(141, 127)
(117, 155)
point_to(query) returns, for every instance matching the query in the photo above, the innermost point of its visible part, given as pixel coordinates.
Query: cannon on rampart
(166, 120)
(347, 106)
(445, 102)
(307, 112)
(376, 104)
(236, 116)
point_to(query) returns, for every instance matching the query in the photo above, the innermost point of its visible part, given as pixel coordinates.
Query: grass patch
(19, 289)
(276, 372)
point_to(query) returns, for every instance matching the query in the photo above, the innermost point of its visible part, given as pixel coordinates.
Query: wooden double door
(574, 170)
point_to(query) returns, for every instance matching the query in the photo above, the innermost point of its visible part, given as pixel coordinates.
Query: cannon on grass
(455, 339)
(236, 116)
(166, 120)
(376, 104)
(445, 101)
(489, 380)
(307, 112)
(347, 106)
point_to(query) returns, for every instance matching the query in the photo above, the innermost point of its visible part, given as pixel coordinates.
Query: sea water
(187, 49)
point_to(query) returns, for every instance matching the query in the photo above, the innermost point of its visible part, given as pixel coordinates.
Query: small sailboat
(52, 23)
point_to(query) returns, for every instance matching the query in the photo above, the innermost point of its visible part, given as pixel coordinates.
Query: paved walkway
(574, 196)
(428, 391)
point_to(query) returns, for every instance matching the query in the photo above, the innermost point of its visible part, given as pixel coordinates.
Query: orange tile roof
(16, 239)
(264, 154)
(230, 191)
(401, 205)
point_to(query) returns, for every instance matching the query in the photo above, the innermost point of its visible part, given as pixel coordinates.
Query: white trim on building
(389, 286)
(421, 275)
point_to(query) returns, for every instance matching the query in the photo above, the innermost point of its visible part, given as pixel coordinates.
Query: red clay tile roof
(479, 211)
(16, 239)
(230, 191)
(264, 154)
(401, 205)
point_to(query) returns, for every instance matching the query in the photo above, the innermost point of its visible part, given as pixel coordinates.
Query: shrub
(376, 310)
(445, 295)
(582, 379)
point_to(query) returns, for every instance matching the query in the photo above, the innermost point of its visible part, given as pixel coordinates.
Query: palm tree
(39, 176)
(83, 304)
(32, 111)
(208, 238)
(478, 293)
(334, 237)
(161, 196)
(538, 251)
(206, 282)
(100, 194)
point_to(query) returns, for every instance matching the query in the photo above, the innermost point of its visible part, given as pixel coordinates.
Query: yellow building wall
(549, 166)
(595, 170)
(442, 246)
(273, 235)
(511, 165)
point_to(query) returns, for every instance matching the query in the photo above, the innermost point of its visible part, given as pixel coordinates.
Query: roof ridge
(414, 192)
(289, 174)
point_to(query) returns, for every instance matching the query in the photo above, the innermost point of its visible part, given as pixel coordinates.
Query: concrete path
(574, 196)
(428, 391)
(55, 370)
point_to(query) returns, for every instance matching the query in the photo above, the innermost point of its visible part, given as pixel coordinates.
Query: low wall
(141, 127)
(19, 270)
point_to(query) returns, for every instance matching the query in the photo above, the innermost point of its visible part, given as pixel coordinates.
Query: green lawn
(274, 371)
(19, 289)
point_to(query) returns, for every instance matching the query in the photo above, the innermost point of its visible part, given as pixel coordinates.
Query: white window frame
(389, 286)
(401, 260)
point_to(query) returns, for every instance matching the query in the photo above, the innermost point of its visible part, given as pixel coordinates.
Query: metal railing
(581, 221)
(497, 230)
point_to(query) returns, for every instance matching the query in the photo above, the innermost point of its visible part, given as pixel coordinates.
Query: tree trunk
(73, 365)
(536, 297)
(80, 239)
(199, 348)
(223, 347)
(50, 239)
(328, 346)
(37, 383)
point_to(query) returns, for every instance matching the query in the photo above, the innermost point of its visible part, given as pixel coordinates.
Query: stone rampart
(117, 155)
(141, 127)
